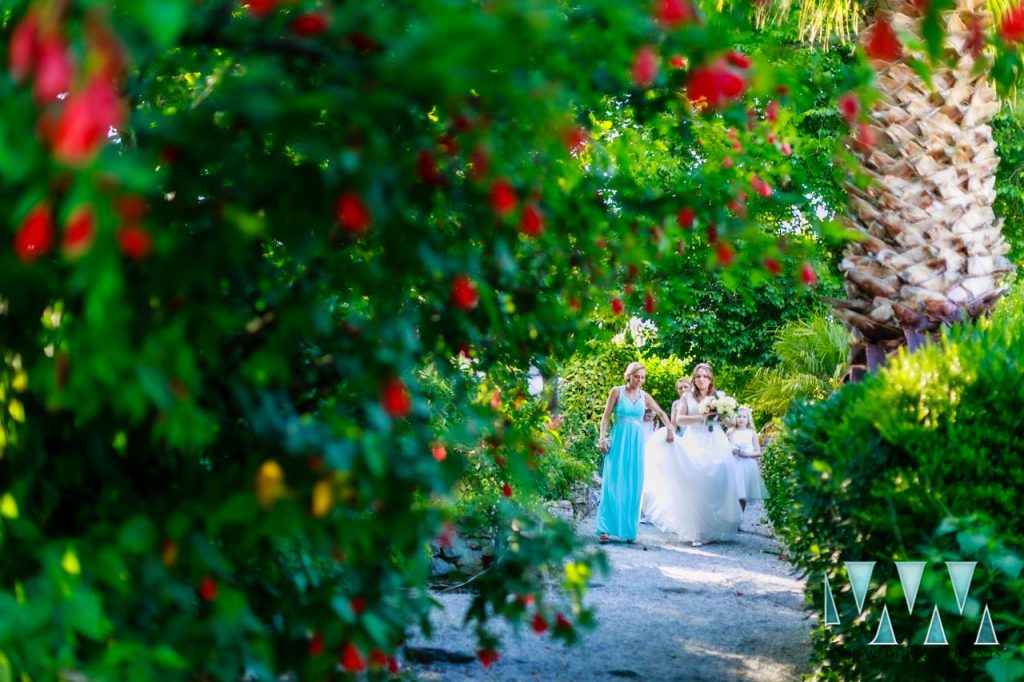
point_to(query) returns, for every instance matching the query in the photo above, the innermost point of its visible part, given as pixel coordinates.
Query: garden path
(667, 611)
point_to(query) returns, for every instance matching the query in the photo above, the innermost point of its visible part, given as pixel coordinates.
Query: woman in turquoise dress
(622, 479)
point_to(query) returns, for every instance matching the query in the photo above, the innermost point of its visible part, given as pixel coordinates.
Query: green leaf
(85, 614)
(137, 535)
(164, 20)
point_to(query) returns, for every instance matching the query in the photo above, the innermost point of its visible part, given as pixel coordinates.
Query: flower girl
(747, 450)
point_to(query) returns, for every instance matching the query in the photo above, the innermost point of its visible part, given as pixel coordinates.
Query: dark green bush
(920, 462)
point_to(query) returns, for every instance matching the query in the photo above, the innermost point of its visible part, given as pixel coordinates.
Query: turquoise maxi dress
(622, 479)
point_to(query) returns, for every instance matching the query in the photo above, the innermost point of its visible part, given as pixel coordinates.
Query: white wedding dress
(690, 484)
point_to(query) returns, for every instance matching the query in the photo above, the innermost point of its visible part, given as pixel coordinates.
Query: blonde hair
(683, 380)
(631, 369)
(744, 410)
(711, 374)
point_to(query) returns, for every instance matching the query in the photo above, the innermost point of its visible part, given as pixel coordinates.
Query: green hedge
(921, 461)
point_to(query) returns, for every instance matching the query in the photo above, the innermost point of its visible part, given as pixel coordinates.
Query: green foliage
(812, 357)
(778, 464)
(918, 462)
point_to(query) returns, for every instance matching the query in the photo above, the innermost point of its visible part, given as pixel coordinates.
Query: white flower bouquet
(718, 408)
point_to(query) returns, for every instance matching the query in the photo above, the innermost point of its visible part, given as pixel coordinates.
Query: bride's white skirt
(690, 484)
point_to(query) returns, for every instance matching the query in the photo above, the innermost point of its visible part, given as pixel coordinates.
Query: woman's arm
(649, 401)
(602, 440)
(757, 446)
(684, 418)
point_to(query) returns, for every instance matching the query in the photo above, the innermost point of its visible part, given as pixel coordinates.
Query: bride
(690, 485)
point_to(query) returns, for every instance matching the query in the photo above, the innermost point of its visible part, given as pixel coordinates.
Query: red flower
(54, 70)
(208, 589)
(772, 266)
(480, 161)
(447, 145)
(426, 168)
(82, 128)
(786, 149)
(1012, 28)
(24, 46)
(506, 490)
(358, 605)
(883, 44)
(727, 163)
(649, 304)
(540, 624)
(488, 657)
(35, 235)
(849, 107)
(351, 660)
(673, 13)
(765, 190)
(630, 287)
(714, 86)
(316, 644)
(685, 218)
(807, 275)
(865, 136)
(378, 658)
(503, 198)
(771, 112)
(617, 306)
(395, 398)
(712, 233)
(645, 67)
(261, 8)
(440, 454)
(130, 207)
(738, 59)
(525, 599)
(677, 61)
(309, 24)
(79, 231)
(465, 295)
(353, 214)
(134, 241)
(562, 623)
(393, 666)
(576, 139)
(531, 223)
(724, 254)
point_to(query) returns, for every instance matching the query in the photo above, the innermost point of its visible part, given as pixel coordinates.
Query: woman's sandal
(603, 538)
(633, 542)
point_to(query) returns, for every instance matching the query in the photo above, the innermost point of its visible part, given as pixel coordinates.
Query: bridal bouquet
(721, 409)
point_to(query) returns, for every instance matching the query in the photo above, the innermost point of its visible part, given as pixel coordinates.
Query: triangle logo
(910, 579)
(961, 573)
(860, 575)
(831, 612)
(986, 631)
(885, 636)
(936, 633)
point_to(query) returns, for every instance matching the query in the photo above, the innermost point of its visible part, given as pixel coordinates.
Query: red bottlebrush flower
(629, 288)
(849, 107)
(576, 140)
(645, 67)
(677, 61)
(465, 295)
(353, 214)
(883, 43)
(488, 657)
(393, 666)
(765, 190)
(724, 254)
(649, 304)
(134, 241)
(309, 24)
(685, 218)
(540, 624)
(395, 398)
(261, 8)
(787, 149)
(439, 453)
(503, 198)
(773, 266)
(727, 163)
(35, 235)
(525, 599)
(1012, 28)
(712, 233)
(771, 112)
(865, 136)
(426, 168)
(316, 644)
(673, 13)
(531, 223)
(130, 208)
(714, 86)
(358, 605)
(480, 161)
(79, 231)
(562, 623)
(737, 207)
(24, 47)
(378, 658)
(739, 60)
(976, 36)
(76, 137)
(351, 659)
(208, 589)
(496, 399)
(447, 145)
(807, 275)
(506, 490)
(617, 306)
(53, 70)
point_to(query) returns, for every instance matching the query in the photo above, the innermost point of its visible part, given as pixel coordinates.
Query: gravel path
(668, 611)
